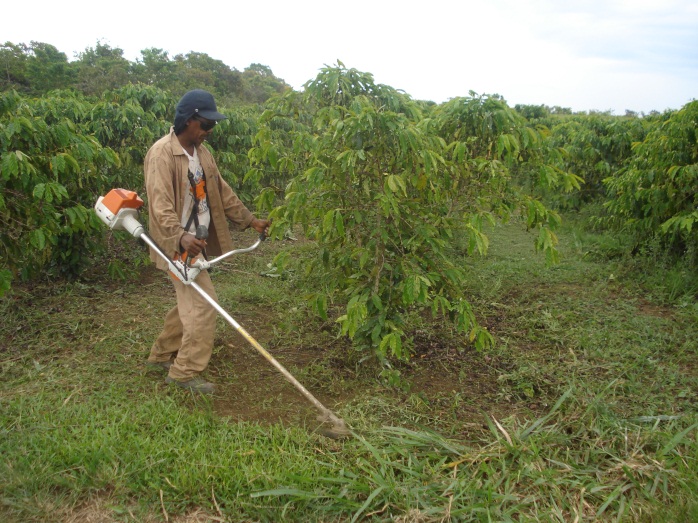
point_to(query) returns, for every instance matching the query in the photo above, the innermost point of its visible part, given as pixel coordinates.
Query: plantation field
(584, 410)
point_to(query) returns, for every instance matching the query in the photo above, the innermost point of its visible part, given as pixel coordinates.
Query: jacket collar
(177, 149)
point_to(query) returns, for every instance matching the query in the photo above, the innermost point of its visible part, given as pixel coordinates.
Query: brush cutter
(119, 211)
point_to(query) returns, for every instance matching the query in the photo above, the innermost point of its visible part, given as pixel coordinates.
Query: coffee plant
(656, 195)
(50, 170)
(386, 188)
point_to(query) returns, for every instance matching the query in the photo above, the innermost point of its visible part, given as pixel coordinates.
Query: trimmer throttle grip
(201, 232)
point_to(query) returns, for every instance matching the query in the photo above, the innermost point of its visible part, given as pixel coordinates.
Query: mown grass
(584, 411)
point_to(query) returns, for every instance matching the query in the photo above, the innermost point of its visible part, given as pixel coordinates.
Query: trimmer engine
(119, 210)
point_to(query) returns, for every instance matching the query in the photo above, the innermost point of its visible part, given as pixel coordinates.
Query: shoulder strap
(194, 216)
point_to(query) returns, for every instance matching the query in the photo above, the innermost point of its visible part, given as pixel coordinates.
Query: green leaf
(58, 164)
(339, 224)
(37, 239)
(39, 192)
(252, 174)
(328, 222)
(312, 173)
(677, 439)
(71, 214)
(5, 281)
(273, 156)
(71, 162)
(408, 292)
(321, 306)
(9, 166)
(393, 342)
(367, 503)
(297, 493)
(392, 183)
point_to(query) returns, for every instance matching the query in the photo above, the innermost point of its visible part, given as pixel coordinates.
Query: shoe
(195, 384)
(162, 364)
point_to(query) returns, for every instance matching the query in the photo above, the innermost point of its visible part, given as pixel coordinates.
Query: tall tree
(197, 70)
(47, 68)
(102, 68)
(155, 68)
(13, 62)
(261, 84)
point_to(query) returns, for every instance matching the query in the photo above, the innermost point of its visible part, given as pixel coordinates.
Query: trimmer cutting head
(335, 427)
(335, 432)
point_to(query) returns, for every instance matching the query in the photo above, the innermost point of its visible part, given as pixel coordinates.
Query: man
(185, 190)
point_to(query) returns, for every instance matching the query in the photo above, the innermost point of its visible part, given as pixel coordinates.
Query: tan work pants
(188, 332)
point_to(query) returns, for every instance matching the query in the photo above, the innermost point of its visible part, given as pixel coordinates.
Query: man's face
(201, 128)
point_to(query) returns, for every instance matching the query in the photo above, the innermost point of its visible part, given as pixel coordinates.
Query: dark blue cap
(198, 102)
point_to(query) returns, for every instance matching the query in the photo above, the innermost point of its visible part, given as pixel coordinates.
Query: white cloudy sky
(640, 55)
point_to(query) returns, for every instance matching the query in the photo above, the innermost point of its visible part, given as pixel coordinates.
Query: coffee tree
(593, 147)
(231, 142)
(49, 172)
(375, 196)
(656, 195)
(388, 187)
(128, 120)
(486, 145)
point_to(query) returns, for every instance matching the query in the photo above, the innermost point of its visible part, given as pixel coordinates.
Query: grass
(585, 410)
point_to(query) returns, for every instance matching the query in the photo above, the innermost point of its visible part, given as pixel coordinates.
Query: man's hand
(192, 245)
(261, 226)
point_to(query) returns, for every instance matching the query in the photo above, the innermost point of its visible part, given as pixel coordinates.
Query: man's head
(196, 106)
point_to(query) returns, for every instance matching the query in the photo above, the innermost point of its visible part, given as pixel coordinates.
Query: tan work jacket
(166, 166)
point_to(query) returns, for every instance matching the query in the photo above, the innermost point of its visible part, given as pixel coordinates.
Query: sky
(587, 55)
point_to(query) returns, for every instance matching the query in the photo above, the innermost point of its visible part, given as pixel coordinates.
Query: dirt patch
(455, 383)
(251, 389)
(657, 311)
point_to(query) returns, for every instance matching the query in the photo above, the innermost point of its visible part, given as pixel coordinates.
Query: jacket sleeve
(233, 208)
(165, 224)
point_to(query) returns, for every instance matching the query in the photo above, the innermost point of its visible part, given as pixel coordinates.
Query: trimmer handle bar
(119, 211)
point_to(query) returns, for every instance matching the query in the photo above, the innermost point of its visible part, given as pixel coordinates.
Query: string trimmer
(119, 211)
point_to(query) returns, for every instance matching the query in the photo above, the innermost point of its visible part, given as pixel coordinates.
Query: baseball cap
(197, 102)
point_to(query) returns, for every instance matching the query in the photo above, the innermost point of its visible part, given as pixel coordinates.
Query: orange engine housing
(118, 199)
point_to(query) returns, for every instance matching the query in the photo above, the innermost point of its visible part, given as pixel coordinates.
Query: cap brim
(212, 115)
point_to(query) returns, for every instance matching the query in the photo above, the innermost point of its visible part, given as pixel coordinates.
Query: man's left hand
(261, 226)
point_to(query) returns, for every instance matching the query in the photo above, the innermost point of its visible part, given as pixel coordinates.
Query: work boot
(196, 384)
(161, 364)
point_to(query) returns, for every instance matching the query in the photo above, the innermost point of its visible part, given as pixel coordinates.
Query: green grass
(585, 410)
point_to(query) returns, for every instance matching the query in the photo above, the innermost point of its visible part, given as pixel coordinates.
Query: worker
(185, 191)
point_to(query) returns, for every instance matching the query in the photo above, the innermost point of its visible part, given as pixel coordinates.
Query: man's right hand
(191, 245)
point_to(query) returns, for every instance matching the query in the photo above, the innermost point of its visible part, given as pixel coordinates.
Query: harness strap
(194, 216)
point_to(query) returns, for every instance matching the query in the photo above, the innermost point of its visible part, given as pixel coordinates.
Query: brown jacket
(167, 184)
